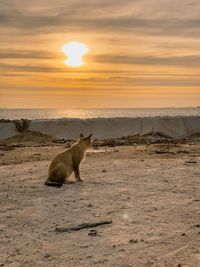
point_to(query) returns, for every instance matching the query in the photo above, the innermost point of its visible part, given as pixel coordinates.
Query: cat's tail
(51, 183)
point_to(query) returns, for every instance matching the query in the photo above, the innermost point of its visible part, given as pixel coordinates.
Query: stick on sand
(81, 226)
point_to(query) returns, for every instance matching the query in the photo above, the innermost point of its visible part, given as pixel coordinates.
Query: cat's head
(86, 140)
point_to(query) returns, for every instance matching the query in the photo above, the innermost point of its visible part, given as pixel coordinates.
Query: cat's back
(74, 153)
(63, 157)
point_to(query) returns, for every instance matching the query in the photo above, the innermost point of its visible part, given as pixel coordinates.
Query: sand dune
(175, 127)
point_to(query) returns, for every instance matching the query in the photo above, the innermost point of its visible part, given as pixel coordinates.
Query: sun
(74, 52)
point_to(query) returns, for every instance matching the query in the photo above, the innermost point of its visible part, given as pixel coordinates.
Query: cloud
(58, 23)
(6, 54)
(102, 16)
(192, 61)
(29, 68)
(189, 61)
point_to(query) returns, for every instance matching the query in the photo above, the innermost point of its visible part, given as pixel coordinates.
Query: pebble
(190, 161)
(92, 232)
(47, 255)
(133, 241)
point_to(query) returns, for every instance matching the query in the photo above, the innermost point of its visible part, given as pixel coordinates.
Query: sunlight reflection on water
(95, 113)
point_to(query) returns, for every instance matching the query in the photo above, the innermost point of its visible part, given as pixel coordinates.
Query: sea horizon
(81, 113)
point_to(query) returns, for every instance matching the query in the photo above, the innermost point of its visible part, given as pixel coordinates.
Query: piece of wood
(81, 226)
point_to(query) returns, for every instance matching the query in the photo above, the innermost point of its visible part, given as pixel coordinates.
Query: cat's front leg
(77, 173)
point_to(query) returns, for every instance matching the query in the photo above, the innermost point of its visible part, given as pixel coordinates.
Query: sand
(151, 193)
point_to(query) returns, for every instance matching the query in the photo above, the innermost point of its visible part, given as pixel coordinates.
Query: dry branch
(81, 226)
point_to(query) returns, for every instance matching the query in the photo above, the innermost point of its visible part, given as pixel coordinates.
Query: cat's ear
(89, 136)
(81, 135)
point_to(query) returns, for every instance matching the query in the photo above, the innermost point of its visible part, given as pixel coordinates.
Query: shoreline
(4, 120)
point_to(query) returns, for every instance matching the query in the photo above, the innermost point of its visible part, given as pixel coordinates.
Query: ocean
(96, 113)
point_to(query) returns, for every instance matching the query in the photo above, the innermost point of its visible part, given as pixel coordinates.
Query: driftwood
(81, 226)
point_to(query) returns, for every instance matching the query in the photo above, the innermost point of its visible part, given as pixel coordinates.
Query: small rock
(104, 170)
(196, 200)
(89, 256)
(133, 241)
(92, 232)
(103, 260)
(183, 234)
(162, 151)
(47, 255)
(190, 161)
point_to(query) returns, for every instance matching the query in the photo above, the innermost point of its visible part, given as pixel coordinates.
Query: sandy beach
(150, 191)
(122, 79)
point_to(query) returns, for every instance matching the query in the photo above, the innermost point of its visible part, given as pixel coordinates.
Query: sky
(142, 53)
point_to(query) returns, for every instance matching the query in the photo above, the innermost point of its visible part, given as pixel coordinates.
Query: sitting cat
(68, 161)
